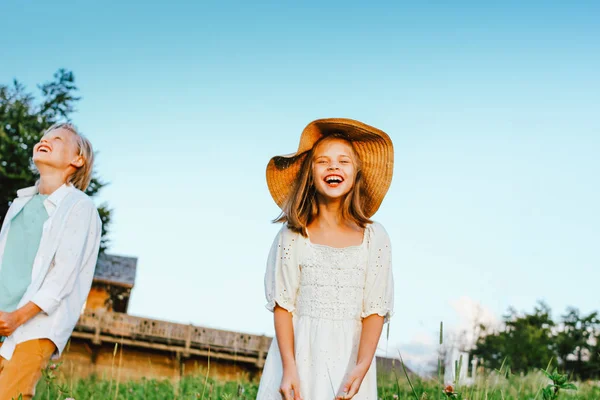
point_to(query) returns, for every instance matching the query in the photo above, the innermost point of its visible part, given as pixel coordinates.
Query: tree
(22, 123)
(530, 341)
(576, 343)
(525, 343)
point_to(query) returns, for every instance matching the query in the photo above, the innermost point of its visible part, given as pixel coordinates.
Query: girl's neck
(329, 214)
(50, 180)
(330, 228)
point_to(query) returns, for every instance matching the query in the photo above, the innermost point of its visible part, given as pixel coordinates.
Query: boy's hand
(353, 383)
(8, 323)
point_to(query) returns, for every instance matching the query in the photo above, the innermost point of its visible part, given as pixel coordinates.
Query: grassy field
(398, 385)
(493, 386)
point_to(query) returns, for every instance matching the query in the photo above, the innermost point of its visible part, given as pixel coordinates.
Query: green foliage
(525, 342)
(578, 339)
(559, 382)
(499, 384)
(491, 387)
(528, 340)
(22, 122)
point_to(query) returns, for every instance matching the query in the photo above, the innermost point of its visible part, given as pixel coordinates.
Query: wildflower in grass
(451, 393)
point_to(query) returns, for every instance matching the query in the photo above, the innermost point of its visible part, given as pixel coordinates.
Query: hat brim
(373, 146)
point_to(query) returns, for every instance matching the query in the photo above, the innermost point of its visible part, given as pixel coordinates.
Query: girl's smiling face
(334, 168)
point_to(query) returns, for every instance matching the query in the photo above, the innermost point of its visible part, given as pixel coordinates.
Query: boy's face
(58, 149)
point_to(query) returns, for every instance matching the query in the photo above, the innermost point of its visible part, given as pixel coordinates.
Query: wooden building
(110, 343)
(113, 280)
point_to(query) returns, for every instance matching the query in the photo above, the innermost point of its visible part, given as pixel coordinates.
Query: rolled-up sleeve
(77, 248)
(282, 275)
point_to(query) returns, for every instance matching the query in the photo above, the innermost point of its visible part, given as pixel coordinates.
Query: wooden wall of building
(82, 359)
(98, 298)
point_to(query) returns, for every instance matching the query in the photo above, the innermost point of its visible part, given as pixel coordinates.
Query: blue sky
(493, 110)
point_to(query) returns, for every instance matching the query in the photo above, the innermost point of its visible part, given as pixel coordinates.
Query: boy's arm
(78, 247)
(9, 322)
(83, 228)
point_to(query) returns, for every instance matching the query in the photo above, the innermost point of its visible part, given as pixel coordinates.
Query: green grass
(397, 385)
(493, 386)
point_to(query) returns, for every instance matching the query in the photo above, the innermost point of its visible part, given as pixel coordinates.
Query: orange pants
(20, 374)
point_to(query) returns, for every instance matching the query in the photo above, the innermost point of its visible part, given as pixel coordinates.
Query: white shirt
(63, 268)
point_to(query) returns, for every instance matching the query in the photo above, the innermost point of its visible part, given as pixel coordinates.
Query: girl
(329, 276)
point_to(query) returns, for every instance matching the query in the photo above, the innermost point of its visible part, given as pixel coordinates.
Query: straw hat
(373, 146)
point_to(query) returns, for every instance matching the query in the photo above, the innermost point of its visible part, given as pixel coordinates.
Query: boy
(49, 246)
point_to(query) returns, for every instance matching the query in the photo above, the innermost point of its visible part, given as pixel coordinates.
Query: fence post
(98, 322)
(260, 362)
(188, 340)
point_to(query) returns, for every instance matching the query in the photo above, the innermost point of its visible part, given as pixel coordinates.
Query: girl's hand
(290, 384)
(353, 383)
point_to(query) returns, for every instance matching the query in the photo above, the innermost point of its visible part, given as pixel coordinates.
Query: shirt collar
(28, 192)
(53, 200)
(59, 194)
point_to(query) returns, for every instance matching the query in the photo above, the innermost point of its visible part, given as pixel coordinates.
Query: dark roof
(391, 364)
(116, 270)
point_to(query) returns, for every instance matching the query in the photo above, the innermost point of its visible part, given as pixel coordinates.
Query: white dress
(328, 291)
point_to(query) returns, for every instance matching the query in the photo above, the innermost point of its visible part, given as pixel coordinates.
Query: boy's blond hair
(83, 175)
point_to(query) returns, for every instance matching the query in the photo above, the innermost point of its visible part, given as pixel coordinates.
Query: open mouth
(333, 180)
(44, 149)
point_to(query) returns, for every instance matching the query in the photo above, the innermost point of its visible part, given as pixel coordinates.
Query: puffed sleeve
(282, 277)
(379, 284)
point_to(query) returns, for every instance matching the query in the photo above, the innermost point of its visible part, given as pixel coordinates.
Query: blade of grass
(440, 377)
(207, 372)
(407, 377)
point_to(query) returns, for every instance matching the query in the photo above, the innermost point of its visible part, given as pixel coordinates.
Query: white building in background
(454, 358)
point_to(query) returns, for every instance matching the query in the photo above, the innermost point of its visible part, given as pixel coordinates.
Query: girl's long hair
(301, 206)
